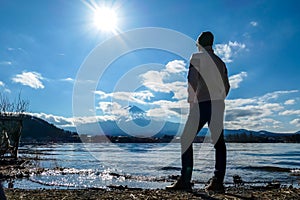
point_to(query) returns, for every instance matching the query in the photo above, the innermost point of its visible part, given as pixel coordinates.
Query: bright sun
(106, 19)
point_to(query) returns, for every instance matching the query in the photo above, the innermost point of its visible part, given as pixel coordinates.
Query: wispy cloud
(228, 51)
(276, 94)
(290, 112)
(254, 23)
(69, 80)
(67, 122)
(236, 79)
(4, 88)
(290, 102)
(31, 79)
(133, 97)
(5, 63)
(295, 122)
(17, 49)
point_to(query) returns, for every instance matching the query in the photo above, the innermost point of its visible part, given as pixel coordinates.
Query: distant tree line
(255, 138)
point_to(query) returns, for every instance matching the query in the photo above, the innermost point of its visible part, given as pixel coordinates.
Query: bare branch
(7, 107)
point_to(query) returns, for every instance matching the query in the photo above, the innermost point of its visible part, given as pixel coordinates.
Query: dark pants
(211, 112)
(2, 194)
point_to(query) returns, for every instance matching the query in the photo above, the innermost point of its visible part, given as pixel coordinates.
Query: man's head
(206, 39)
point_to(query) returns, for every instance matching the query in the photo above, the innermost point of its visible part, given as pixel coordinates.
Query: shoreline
(24, 167)
(235, 193)
(21, 168)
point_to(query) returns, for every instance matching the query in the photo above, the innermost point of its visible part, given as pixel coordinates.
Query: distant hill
(38, 130)
(243, 135)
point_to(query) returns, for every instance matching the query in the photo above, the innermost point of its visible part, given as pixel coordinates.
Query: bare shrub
(16, 107)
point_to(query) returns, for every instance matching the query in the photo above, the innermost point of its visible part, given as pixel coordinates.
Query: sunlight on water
(134, 165)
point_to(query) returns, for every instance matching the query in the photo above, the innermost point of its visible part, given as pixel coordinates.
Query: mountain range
(138, 125)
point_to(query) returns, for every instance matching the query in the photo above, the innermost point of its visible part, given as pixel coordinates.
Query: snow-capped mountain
(137, 124)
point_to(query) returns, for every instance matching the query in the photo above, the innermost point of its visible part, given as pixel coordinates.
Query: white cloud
(31, 79)
(290, 112)
(290, 102)
(168, 80)
(224, 51)
(93, 119)
(239, 102)
(154, 80)
(169, 110)
(24, 37)
(178, 88)
(102, 95)
(56, 120)
(5, 89)
(235, 80)
(276, 94)
(112, 109)
(176, 66)
(70, 80)
(135, 97)
(161, 114)
(258, 113)
(5, 63)
(254, 23)
(237, 44)
(295, 122)
(67, 122)
(227, 51)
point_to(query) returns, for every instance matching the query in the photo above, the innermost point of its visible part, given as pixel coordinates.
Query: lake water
(152, 165)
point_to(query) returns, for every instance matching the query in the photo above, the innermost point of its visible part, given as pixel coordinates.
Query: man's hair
(206, 39)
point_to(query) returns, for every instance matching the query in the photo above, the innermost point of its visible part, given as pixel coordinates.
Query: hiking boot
(215, 186)
(180, 185)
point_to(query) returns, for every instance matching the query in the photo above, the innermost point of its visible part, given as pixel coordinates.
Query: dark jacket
(207, 77)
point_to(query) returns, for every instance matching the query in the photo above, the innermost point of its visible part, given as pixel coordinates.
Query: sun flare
(106, 19)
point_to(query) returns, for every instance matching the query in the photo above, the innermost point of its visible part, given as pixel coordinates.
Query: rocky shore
(22, 168)
(231, 193)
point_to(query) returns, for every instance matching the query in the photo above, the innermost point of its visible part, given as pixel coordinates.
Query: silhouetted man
(207, 90)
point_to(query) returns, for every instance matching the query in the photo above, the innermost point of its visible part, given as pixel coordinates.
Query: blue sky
(44, 43)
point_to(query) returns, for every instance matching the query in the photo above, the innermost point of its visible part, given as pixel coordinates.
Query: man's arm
(226, 82)
(193, 77)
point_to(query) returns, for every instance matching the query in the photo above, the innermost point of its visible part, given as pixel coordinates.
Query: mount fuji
(137, 124)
